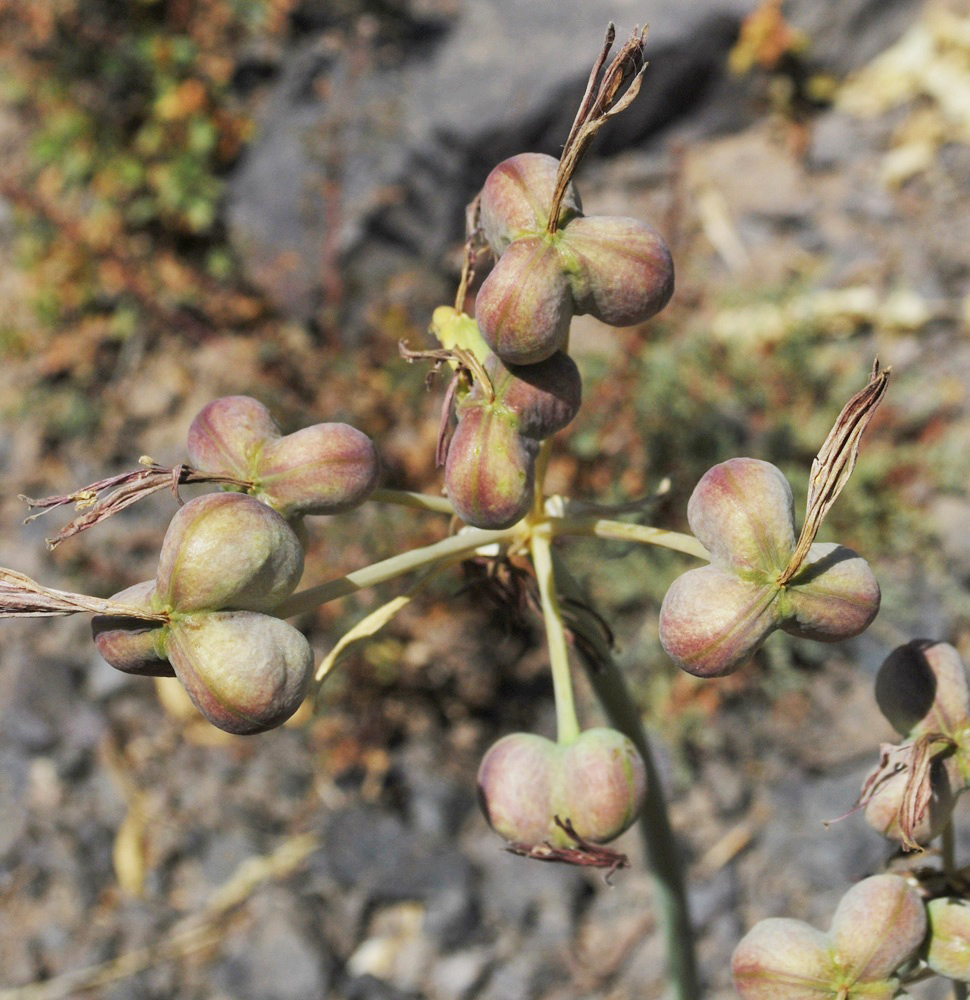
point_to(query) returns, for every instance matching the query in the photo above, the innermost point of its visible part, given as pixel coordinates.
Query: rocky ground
(144, 855)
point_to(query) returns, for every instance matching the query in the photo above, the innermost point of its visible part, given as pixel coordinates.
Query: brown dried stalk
(608, 92)
(130, 486)
(21, 597)
(585, 854)
(834, 463)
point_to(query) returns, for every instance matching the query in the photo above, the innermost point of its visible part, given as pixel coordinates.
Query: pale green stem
(659, 843)
(948, 856)
(567, 725)
(622, 531)
(388, 569)
(420, 501)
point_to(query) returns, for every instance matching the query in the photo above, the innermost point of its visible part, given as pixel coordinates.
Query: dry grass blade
(195, 933)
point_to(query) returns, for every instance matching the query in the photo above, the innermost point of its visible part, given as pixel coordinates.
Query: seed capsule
(597, 783)
(622, 272)
(228, 551)
(877, 928)
(948, 943)
(541, 399)
(228, 434)
(713, 619)
(322, 469)
(517, 196)
(245, 672)
(129, 645)
(524, 306)
(490, 470)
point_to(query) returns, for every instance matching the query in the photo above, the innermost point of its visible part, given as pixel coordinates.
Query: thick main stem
(659, 843)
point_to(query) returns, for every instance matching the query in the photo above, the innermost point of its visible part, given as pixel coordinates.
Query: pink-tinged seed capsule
(245, 672)
(517, 197)
(515, 787)
(712, 622)
(597, 784)
(228, 551)
(129, 645)
(604, 783)
(947, 950)
(322, 469)
(226, 436)
(620, 270)
(922, 688)
(742, 512)
(490, 470)
(524, 306)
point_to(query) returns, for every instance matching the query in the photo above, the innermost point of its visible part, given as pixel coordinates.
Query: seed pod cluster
(878, 927)
(227, 560)
(713, 619)
(597, 783)
(323, 469)
(616, 269)
(490, 470)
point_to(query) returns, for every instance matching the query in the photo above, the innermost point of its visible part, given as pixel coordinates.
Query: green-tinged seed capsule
(245, 672)
(877, 928)
(130, 645)
(490, 470)
(783, 959)
(947, 950)
(742, 512)
(833, 596)
(228, 551)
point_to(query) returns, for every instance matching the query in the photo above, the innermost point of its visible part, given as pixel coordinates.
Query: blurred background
(266, 196)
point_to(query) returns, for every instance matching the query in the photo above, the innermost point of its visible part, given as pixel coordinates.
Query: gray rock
(401, 151)
(274, 958)
(369, 987)
(409, 146)
(377, 853)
